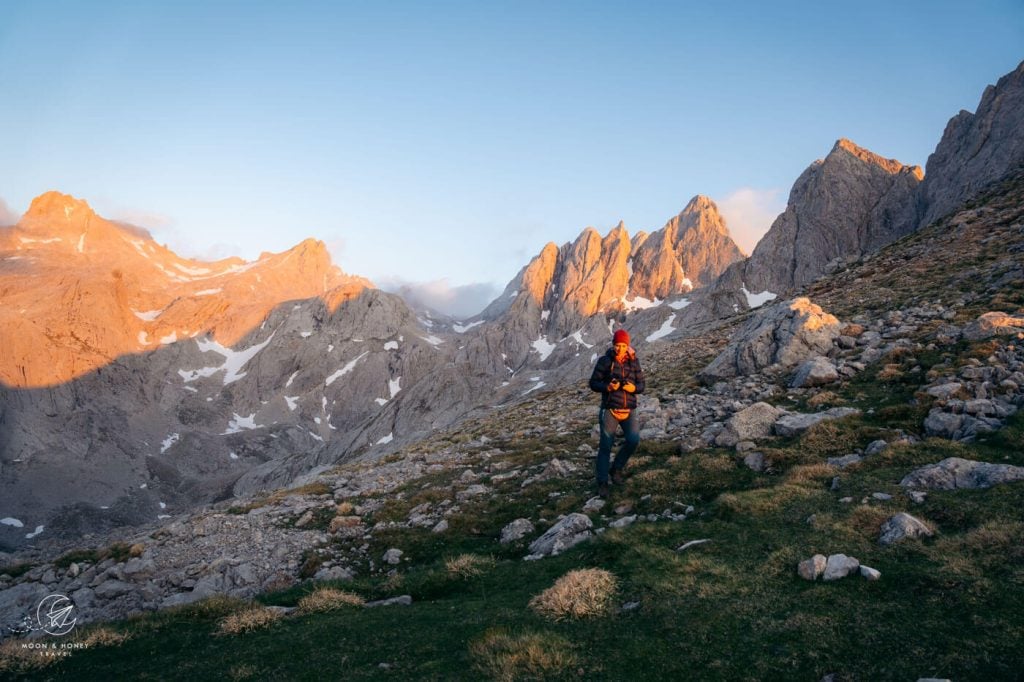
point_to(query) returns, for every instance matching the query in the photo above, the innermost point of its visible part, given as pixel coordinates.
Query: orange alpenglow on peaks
(77, 291)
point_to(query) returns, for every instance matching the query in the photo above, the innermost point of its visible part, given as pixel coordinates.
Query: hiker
(618, 378)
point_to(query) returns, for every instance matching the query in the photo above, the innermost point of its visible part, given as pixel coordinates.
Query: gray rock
(472, 491)
(333, 573)
(794, 424)
(976, 149)
(839, 566)
(813, 568)
(623, 522)
(943, 424)
(993, 324)
(783, 334)
(754, 422)
(441, 526)
(113, 588)
(594, 504)
(954, 472)
(570, 531)
(754, 461)
(404, 600)
(875, 447)
(845, 460)
(903, 526)
(815, 372)
(870, 573)
(516, 530)
(882, 497)
(944, 391)
(393, 556)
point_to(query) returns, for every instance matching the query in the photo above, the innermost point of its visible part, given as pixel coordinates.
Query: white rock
(870, 573)
(839, 566)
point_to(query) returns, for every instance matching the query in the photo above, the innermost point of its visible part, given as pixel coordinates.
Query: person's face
(620, 349)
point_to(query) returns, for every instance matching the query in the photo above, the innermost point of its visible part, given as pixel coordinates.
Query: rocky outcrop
(976, 149)
(783, 334)
(851, 203)
(566, 286)
(954, 473)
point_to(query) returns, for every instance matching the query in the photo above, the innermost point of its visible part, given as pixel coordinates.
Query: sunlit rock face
(78, 291)
(851, 203)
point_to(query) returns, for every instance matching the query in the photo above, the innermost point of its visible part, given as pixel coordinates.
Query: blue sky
(444, 143)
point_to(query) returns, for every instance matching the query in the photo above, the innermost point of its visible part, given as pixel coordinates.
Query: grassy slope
(950, 606)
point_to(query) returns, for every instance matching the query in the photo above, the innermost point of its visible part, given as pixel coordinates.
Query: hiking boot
(617, 477)
(602, 490)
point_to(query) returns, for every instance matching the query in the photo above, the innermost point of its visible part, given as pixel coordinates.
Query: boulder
(516, 530)
(791, 425)
(754, 422)
(903, 526)
(839, 566)
(784, 334)
(815, 372)
(993, 324)
(954, 473)
(570, 531)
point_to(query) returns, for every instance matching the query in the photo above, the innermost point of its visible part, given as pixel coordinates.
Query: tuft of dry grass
(583, 593)
(248, 620)
(810, 473)
(640, 460)
(329, 599)
(867, 521)
(651, 475)
(103, 636)
(825, 398)
(468, 565)
(503, 656)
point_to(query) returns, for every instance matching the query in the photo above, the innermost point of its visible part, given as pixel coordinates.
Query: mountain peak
(54, 205)
(891, 166)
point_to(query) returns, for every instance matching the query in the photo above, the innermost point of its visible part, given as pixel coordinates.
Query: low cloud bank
(460, 301)
(7, 216)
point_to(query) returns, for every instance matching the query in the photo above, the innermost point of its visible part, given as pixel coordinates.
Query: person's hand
(614, 385)
(628, 387)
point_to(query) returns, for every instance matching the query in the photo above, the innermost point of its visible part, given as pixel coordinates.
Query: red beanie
(621, 336)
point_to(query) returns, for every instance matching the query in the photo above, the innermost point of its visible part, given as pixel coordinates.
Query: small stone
(870, 573)
(903, 526)
(839, 566)
(404, 600)
(594, 504)
(631, 606)
(623, 522)
(754, 461)
(836, 482)
(811, 569)
(875, 447)
(441, 526)
(516, 530)
(884, 497)
(846, 500)
(917, 496)
(393, 556)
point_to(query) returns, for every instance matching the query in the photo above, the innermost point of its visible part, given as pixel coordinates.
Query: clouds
(749, 212)
(7, 216)
(461, 301)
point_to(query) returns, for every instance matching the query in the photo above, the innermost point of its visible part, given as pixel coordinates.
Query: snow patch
(207, 292)
(239, 423)
(665, 330)
(195, 272)
(305, 335)
(539, 384)
(291, 379)
(640, 303)
(168, 442)
(234, 361)
(679, 305)
(11, 521)
(757, 300)
(578, 338)
(543, 347)
(382, 401)
(143, 339)
(432, 340)
(170, 338)
(345, 370)
(386, 439)
(37, 531)
(544, 314)
(463, 328)
(232, 455)
(81, 244)
(293, 402)
(394, 386)
(391, 345)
